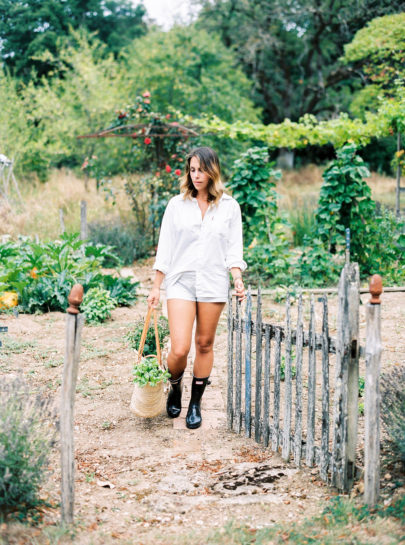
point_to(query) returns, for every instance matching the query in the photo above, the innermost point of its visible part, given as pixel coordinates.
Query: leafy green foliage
(97, 305)
(316, 265)
(27, 434)
(393, 408)
(30, 28)
(43, 273)
(198, 70)
(389, 118)
(252, 185)
(121, 290)
(345, 202)
(377, 50)
(149, 372)
(310, 35)
(134, 336)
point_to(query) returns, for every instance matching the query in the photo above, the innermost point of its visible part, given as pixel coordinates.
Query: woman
(200, 242)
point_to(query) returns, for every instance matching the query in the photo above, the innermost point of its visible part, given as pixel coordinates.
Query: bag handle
(145, 332)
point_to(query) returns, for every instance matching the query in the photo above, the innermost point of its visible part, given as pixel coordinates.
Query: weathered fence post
(61, 221)
(238, 368)
(258, 390)
(229, 405)
(74, 325)
(346, 379)
(286, 448)
(248, 364)
(298, 386)
(83, 220)
(325, 393)
(310, 450)
(372, 394)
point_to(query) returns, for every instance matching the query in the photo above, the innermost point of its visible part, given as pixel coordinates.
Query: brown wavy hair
(209, 163)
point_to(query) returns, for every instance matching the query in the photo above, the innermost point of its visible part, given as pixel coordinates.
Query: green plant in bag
(149, 372)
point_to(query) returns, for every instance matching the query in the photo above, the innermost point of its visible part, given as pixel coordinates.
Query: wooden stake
(298, 387)
(229, 405)
(258, 391)
(83, 220)
(248, 364)
(288, 385)
(372, 394)
(74, 325)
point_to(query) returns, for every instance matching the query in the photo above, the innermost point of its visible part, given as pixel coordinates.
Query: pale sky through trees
(168, 12)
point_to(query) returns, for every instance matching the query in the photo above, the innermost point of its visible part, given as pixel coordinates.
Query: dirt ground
(148, 480)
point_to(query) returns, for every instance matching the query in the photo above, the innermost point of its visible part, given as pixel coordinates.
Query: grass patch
(11, 346)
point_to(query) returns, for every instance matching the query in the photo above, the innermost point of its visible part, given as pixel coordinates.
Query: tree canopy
(377, 54)
(291, 50)
(192, 71)
(28, 28)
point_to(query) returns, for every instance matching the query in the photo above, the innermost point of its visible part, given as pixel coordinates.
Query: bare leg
(181, 315)
(207, 320)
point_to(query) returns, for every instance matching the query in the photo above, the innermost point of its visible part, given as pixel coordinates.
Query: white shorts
(184, 287)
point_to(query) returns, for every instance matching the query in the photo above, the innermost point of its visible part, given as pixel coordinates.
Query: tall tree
(28, 28)
(377, 54)
(191, 71)
(291, 49)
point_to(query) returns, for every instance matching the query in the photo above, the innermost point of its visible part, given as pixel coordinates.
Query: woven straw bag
(148, 401)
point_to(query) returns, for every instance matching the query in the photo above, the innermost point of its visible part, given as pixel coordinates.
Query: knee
(204, 344)
(179, 351)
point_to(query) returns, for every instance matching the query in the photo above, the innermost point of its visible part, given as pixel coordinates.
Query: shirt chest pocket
(218, 227)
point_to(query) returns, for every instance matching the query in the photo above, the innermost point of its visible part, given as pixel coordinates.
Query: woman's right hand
(154, 297)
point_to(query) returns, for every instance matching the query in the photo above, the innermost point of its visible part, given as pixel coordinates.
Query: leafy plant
(149, 372)
(27, 434)
(345, 202)
(393, 408)
(252, 185)
(122, 290)
(316, 265)
(97, 305)
(42, 274)
(134, 336)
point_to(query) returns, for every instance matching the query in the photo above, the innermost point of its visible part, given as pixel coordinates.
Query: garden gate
(261, 399)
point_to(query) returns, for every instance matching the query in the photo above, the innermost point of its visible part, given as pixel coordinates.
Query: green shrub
(127, 239)
(252, 184)
(393, 408)
(149, 372)
(97, 305)
(384, 252)
(43, 273)
(134, 336)
(316, 265)
(122, 290)
(27, 434)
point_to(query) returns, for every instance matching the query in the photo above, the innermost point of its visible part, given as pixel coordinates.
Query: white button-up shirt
(210, 247)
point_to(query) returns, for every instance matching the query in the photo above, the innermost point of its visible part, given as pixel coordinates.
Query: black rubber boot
(173, 404)
(193, 418)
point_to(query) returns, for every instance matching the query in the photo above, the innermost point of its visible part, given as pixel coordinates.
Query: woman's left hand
(240, 289)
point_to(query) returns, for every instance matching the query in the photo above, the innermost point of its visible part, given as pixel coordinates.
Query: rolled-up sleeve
(165, 245)
(234, 256)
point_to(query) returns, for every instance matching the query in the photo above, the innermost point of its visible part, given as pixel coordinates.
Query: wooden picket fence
(278, 403)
